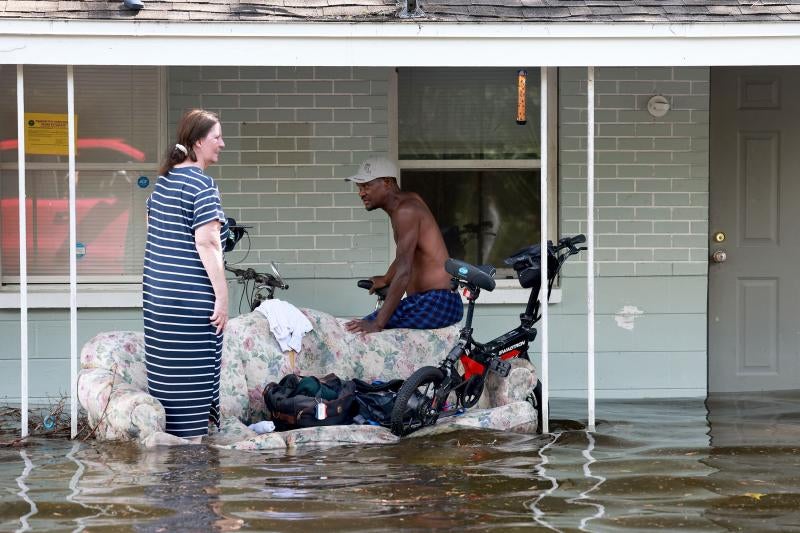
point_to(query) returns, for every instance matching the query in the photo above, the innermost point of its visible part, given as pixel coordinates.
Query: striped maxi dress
(183, 352)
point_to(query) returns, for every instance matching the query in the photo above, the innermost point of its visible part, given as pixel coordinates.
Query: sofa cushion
(329, 347)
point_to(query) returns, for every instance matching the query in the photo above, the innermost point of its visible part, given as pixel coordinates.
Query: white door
(754, 290)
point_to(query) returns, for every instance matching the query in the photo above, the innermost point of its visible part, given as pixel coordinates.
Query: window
(118, 115)
(461, 149)
(484, 215)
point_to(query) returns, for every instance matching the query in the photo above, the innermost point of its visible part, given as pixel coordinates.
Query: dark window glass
(484, 215)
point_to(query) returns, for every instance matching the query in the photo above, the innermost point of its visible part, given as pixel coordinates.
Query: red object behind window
(102, 223)
(103, 229)
(118, 145)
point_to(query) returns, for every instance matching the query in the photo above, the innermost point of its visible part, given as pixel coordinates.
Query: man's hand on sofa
(363, 326)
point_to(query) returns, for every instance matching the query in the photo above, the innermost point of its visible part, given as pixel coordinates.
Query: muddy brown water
(731, 464)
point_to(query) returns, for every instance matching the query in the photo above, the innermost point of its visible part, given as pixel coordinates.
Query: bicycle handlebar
(571, 242)
(263, 279)
(367, 285)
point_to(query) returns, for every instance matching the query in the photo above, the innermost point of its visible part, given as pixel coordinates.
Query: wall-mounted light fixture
(658, 106)
(522, 82)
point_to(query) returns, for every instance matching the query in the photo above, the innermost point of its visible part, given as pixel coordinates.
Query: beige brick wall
(651, 203)
(292, 135)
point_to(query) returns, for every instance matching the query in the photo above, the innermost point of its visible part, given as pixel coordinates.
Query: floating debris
(51, 421)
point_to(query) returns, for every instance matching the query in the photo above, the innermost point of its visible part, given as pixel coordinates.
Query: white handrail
(590, 245)
(544, 281)
(23, 254)
(73, 268)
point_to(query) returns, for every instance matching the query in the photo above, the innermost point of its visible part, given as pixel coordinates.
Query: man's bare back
(428, 271)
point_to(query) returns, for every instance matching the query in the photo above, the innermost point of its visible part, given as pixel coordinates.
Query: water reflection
(754, 419)
(755, 447)
(188, 488)
(587, 472)
(85, 512)
(23, 493)
(73, 496)
(571, 482)
(541, 470)
(667, 464)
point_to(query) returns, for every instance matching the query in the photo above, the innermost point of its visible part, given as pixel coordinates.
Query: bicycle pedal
(500, 367)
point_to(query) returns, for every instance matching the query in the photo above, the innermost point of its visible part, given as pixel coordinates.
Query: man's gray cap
(374, 168)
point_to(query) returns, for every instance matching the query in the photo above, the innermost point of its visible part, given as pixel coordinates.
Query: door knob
(719, 256)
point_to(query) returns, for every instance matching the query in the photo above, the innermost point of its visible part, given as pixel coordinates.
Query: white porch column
(543, 296)
(23, 254)
(590, 244)
(73, 269)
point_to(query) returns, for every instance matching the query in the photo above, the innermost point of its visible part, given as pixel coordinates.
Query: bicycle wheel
(412, 407)
(472, 391)
(536, 397)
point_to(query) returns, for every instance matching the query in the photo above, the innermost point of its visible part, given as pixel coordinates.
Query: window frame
(508, 290)
(55, 286)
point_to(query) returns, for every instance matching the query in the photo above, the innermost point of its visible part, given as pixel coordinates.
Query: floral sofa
(112, 385)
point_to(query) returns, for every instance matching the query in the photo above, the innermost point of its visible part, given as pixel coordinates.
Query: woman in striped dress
(185, 296)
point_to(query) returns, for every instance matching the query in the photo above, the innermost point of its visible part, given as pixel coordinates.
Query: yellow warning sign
(46, 133)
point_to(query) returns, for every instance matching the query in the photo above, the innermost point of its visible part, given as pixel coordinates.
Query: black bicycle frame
(509, 345)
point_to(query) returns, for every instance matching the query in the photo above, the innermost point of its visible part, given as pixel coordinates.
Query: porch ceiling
(603, 11)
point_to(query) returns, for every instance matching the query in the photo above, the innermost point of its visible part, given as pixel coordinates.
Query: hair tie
(182, 148)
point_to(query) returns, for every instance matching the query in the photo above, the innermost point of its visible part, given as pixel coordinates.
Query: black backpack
(301, 402)
(375, 401)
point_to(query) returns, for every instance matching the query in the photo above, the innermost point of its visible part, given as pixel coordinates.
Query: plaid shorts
(426, 310)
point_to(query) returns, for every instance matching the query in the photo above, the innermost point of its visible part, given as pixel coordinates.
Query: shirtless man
(418, 268)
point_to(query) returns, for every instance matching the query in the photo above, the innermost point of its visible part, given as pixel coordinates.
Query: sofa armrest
(118, 410)
(515, 387)
(120, 350)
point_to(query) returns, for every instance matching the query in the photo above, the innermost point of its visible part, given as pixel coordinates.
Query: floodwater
(680, 465)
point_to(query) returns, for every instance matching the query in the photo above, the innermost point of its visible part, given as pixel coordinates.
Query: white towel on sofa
(286, 322)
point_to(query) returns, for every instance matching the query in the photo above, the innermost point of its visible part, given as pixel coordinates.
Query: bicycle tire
(537, 400)
(424, 377)
(473, 389)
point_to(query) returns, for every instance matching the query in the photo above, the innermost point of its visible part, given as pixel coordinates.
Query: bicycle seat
(480, 276)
